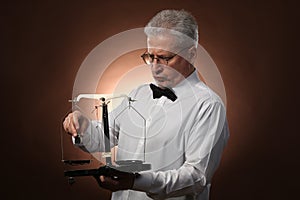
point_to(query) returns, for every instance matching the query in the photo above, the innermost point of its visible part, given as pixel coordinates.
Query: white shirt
(184, 140)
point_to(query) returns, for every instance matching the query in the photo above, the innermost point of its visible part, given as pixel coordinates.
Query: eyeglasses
(149, 58)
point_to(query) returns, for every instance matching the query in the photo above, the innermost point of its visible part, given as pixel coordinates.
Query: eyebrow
(164, 54)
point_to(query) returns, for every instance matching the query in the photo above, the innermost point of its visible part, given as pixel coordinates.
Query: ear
(192, 54)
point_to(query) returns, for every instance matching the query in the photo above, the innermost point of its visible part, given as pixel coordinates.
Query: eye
(151, 56)
(164, 57)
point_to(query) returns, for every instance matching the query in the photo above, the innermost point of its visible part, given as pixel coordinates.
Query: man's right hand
(75, 123)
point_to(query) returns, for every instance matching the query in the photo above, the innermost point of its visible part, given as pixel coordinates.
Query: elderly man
(186, 121)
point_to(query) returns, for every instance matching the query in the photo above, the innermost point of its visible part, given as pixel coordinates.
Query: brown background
(43, 44)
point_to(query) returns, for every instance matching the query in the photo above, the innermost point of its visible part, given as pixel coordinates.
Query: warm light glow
(117, 71)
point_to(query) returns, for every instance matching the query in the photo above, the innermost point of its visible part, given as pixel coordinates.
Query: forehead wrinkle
(159, 51)
(162, 44)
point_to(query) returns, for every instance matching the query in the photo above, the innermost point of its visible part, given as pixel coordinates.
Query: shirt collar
(187, 83)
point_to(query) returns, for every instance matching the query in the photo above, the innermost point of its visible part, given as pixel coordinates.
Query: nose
(156, 67)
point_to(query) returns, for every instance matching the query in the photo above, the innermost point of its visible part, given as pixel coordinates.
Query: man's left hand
(116, 180)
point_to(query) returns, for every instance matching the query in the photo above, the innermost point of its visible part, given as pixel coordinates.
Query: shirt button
(148, 121)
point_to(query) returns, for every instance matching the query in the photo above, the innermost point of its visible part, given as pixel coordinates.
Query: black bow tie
(159, 92)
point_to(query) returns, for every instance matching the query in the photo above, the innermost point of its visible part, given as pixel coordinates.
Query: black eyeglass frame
(159, 58)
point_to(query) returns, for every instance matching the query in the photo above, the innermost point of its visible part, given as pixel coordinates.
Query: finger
(76, 116)
(66, 124)
(109, 184)
(108, 181)
(102, 179)
(71, 127)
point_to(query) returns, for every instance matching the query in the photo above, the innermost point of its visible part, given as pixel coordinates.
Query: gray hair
(179, 23)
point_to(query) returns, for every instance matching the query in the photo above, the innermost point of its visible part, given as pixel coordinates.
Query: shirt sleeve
(93, 139)
(204, 145)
